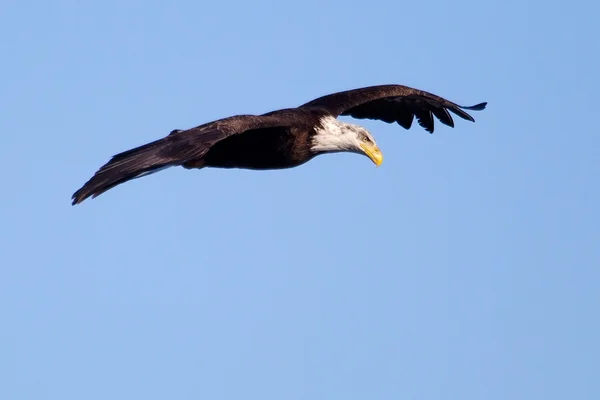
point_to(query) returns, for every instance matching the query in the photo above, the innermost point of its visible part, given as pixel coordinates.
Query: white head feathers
(334, 135)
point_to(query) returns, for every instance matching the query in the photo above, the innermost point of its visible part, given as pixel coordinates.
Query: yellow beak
(373, 152)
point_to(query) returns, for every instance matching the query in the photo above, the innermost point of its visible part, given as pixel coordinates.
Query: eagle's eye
(365, 138)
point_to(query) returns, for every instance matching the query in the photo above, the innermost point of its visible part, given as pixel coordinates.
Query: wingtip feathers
(476, 107)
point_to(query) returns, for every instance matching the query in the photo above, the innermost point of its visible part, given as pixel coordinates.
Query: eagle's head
(333, 135)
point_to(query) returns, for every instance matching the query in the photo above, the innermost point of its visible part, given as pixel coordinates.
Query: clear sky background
(465, 267)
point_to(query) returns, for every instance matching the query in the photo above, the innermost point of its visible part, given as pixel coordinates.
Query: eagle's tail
(131, 164)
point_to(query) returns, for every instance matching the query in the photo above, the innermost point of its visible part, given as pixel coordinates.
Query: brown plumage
(279, 139)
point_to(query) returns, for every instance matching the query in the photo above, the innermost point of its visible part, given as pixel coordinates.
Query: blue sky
(465, 267)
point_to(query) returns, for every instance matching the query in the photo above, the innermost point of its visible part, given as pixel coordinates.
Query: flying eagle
(280, 139)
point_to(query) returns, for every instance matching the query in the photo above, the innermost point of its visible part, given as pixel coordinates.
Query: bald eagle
(280, 139)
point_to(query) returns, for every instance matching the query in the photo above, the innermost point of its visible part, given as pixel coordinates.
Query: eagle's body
(279, 139)
(285, 145)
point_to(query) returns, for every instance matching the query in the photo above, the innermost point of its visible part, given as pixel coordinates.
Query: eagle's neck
(333, 135)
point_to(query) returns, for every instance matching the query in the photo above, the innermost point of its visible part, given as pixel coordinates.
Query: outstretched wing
(178, 148)
(393, 103)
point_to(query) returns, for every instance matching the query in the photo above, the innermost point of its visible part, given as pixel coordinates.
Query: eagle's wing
(178, 148)
(393, 103)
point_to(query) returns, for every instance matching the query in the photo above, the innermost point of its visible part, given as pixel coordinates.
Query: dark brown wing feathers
(393, 103)
(178, 148)
(133, 163)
